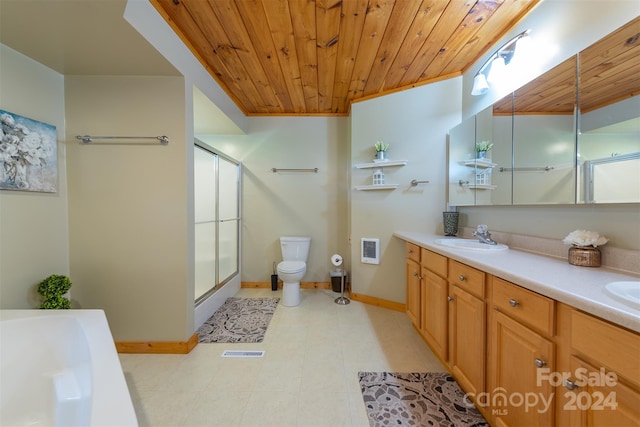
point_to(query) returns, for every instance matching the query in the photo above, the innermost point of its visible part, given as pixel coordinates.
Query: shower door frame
(219, 283)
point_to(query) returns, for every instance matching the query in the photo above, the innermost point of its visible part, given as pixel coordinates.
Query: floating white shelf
(376, 187)
(480, 163)
(381, 164)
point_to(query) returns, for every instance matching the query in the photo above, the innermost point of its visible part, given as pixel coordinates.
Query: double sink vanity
(531, 339)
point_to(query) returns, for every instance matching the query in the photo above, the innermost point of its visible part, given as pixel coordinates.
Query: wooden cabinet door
(414, 294)
(434, 312)
(593, 400)
(467, 339)
(517, 354)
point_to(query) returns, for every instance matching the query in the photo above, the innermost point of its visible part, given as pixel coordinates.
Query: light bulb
(480, 85)
(497, 70)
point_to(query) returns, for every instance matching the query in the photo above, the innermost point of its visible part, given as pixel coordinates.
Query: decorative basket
(585, 256)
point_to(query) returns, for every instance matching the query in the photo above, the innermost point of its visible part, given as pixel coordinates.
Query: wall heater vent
(370, 250)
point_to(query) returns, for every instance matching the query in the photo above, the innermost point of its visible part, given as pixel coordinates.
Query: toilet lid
(291, 266)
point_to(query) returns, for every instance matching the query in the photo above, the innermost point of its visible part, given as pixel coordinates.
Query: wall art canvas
(28, 157)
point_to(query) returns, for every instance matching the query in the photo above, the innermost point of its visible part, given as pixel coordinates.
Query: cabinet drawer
(528, 307)
(434, 262)
(412, 252)
(467, 278)
(611, 346)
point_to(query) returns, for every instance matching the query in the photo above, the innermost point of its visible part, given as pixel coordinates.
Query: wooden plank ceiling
(610, 68)
(308, 57)
(609, 72)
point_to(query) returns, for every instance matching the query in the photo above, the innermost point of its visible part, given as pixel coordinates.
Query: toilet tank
(295, 248)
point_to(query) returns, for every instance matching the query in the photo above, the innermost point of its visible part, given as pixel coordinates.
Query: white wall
(415, 124)
(33, 226)
(128, 210)
(564, 27)
(290, 203)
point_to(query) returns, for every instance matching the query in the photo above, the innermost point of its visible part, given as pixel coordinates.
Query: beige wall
(415, 124)
(291, 203)
(128, 205)
(619, 223)
(33, 226)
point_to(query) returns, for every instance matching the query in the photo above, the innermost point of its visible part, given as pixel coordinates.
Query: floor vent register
(243, 353)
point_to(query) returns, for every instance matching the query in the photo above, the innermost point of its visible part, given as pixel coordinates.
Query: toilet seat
(291, 266)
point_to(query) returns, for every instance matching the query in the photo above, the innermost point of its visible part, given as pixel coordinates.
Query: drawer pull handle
(449, 298)
(540, 363)
(410, 251)
(462, 278)
(415, 274)
(514, 302)
(570, 385)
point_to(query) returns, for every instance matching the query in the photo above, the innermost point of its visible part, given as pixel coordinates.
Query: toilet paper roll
(336, 259)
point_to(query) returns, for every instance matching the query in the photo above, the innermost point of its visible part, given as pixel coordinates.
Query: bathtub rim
(110, 390)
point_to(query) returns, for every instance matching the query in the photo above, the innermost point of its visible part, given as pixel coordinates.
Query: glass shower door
(217, 219)
(229, 219)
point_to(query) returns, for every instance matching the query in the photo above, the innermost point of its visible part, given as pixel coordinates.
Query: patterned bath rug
(416, 399)
(239, 320)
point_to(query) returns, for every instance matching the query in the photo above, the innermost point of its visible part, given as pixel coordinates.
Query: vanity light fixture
(494, 67)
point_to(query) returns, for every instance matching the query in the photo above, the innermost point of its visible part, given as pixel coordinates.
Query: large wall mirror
(544, 138)
(609, 121)
(494, 126)
(473, 176)
(461, 163)
(570, 135)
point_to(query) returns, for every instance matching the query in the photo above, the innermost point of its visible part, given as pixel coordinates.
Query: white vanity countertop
(580, 287)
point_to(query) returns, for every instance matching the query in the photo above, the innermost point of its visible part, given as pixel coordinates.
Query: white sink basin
(629, 291)
(471, 244)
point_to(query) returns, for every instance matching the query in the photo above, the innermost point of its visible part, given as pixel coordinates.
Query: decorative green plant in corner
(53, 289)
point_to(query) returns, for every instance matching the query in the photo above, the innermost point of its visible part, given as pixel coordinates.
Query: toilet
(293, 266)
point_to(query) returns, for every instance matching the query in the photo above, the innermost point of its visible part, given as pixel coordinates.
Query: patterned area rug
(239, 320)
(416, 399)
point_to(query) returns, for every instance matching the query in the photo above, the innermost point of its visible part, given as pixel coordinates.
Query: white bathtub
(61, 368)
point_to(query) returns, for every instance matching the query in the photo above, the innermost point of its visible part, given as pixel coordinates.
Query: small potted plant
(482, 147)
(381, 150)
(52, 290)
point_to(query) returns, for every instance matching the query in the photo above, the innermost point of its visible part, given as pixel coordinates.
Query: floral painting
(28, 158)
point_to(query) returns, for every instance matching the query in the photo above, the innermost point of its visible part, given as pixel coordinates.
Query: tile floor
(307, 377)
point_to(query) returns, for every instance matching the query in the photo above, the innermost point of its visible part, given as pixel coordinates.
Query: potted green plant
(482, 147)
(52, 290)
(381, 150)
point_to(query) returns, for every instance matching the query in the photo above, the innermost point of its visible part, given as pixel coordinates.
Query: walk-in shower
(217, 220)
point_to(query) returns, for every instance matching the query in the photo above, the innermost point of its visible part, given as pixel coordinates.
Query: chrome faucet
(483, 235)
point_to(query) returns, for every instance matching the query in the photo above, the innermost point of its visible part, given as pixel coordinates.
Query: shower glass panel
(205, 221)
(217, 219)
(229, 218)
